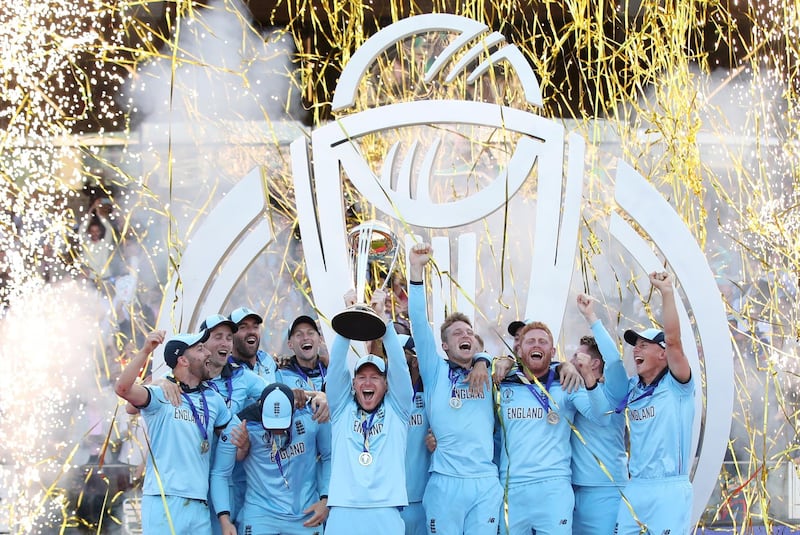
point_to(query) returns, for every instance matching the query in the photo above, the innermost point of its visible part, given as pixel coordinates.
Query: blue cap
(277, 403)
(214, 321)
(370, 359)
(238, 315)
(655, 336)
(178, 345)
(302, 320)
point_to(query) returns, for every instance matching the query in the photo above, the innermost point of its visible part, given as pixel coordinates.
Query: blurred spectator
(97, 238)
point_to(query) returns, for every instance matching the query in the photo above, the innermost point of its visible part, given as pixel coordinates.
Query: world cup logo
(540, 154)
(533, 186)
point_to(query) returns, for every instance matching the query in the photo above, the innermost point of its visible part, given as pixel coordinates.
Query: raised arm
(615, 376)
(677, 361)
(425, 343)
(126, 387)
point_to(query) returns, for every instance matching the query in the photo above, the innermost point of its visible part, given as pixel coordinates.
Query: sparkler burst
(161, 107)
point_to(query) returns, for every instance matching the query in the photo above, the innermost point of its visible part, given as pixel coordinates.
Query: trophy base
(359, 322)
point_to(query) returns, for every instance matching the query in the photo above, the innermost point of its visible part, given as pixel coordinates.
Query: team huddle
(409, 442)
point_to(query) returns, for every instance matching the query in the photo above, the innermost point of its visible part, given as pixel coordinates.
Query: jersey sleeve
(616, 378)
(324, 451)
(338, 378)
(593, 404)
(398, 377)
(222, 467)
(424, 342)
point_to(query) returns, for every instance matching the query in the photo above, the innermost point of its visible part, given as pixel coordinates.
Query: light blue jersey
(464, 436)
(599, 455)
(296, 376)
(181, 462)
(176, 441)
(660, 418)
(283, 490)
(462, 464)
(529, 415)
(381, 483)
(239, 387)
(264, 367)
(539, 416)
(418, 460)
(660, 427)
(600, 459)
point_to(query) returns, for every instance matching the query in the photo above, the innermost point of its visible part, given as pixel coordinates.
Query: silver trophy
(373, 247)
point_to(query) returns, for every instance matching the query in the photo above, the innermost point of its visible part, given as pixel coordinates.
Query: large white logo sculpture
(239, 228)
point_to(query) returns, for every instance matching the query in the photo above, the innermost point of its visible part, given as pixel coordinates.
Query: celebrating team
(533, 454)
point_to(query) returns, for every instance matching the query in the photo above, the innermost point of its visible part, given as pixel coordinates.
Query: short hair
(451, 319)
(536, 325)
(591, 347)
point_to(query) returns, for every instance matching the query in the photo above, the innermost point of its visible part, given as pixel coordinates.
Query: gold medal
(365, 459)
(553, 418)
(455, 403)
(204, 446)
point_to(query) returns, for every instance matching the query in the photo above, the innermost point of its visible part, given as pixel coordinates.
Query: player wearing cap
(535, 409)
(305, 369)
(463, 494)
(418, 457)
(176, 483)
(599, 456)
(246, 345)
(660, 405)
(369, 422)
(285, 491)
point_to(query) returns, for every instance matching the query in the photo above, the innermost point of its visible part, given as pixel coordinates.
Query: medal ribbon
(625, 401)
(200, 426)
(455, 374)
(543, 399)
(276, 453)
(366, 427)
(416, 387)
(299, 370)
(228, 387)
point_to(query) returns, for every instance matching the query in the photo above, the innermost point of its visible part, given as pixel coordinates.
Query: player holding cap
(286, 493)
(369, 422)
(660, 405)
